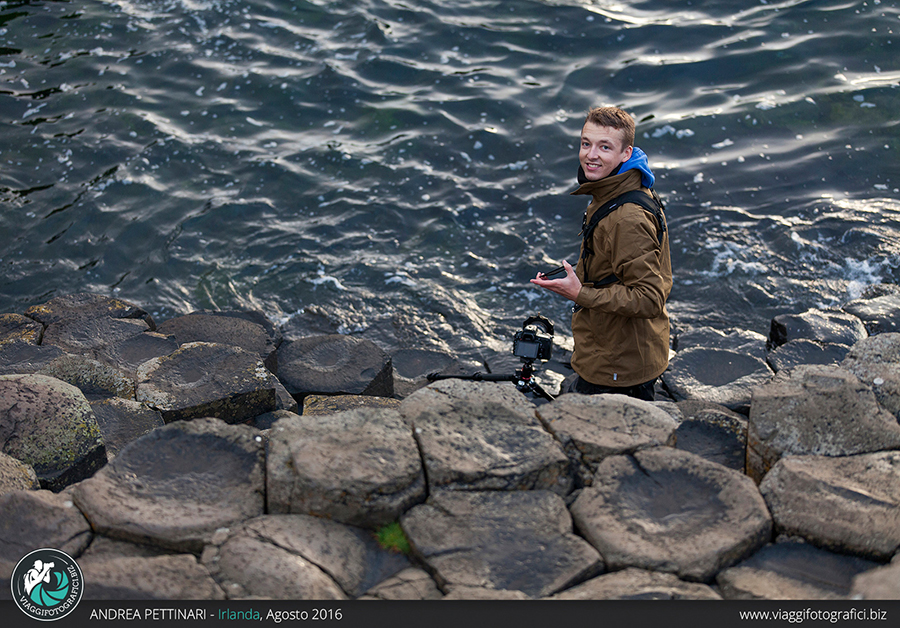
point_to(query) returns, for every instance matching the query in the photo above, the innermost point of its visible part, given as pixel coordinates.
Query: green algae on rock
(49, 424)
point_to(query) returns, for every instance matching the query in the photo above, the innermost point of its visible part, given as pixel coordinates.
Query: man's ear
(627, 154)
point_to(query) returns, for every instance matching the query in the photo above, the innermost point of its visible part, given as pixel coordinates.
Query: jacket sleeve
(634, 254)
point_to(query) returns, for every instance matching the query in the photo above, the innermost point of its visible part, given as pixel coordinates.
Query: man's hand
(568, 286)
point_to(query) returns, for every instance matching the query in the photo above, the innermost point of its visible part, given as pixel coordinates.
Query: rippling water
(374, 159)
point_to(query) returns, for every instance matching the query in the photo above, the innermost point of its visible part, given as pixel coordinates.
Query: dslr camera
(535, 340)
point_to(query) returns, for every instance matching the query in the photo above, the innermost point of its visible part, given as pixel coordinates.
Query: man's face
(601, 151)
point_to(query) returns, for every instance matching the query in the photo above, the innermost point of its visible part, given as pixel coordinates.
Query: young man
(624, 276)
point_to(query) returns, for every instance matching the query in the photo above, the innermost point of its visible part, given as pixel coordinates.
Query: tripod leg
(541, 392)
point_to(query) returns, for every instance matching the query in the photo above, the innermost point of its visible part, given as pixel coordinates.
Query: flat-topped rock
(594, 427)
(317, 405)
(127, 354)
(411, 366)
(638, 584)
(15, 475)
(86, 305)
(49, 425)
(246, 330)
(712, 432)
(740, 340)
(87, 336)
(848, 504)
(91, 377)
(348, 555)
(880, 314)
(18, 357)
(460, 592)
(177, 485)
(821, 410)
(249, 566)
(15, 327)
(799, 352)
(878, 584)
(174, 577)
(413, 583)
(207, 380)
(721, 376)
(484, 436)
(122, 421)
(31, 520)
(335, 364)
(876, 362)
(515, 540)
(825, 327)
(668, 510)
(104, 548)
(360, 467)
(792, 571)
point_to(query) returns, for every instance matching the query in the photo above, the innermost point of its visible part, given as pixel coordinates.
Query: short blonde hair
(614, 118)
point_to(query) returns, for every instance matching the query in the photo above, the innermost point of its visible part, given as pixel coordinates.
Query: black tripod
(523, 379)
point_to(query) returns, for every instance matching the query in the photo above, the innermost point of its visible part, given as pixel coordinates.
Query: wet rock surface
(723, 376)
(667, 510)
(85, 305)
(335, 364)
(177, 485)
(511, 540)
(484, 436)
(740, 340)
(712, 432)
(826, 327)
(848, 505)
(876, 362)
(50, 426)
(880, 313)
(411, 366)
(359, 466)
(799, 352)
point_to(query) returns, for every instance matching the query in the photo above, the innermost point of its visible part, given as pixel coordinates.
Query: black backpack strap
(652, 204)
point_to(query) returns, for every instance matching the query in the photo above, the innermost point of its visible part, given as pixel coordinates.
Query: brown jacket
(622, 331)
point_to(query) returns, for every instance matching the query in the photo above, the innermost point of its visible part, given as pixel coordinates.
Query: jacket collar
(611, 186)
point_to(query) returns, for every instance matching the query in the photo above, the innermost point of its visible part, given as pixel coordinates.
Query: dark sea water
(367, 161)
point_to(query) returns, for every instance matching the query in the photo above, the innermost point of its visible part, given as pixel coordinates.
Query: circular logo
(47, 584)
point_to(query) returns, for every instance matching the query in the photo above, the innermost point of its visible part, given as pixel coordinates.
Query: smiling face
(602, 150)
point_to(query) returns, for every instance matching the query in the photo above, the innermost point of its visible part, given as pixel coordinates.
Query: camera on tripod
(535, 340)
